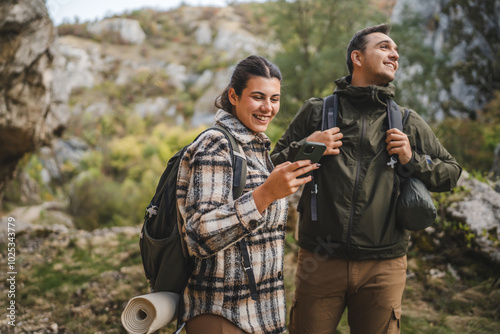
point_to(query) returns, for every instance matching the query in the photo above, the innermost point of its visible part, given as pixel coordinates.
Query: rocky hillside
(33, 95)
(463, 40)
(102, 106)
(175, 73)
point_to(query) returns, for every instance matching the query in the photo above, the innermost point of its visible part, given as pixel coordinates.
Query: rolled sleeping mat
(148, 313)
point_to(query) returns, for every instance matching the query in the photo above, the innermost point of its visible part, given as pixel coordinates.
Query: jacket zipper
(356, 180)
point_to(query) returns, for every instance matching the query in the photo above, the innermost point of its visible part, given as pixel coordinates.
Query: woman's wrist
(262, 198)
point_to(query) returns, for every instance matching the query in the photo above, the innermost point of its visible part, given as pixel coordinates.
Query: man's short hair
(358, 41)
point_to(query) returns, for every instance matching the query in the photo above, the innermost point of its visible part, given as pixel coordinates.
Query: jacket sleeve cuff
(419, 161)
(411, 167)
(418, 164)
(247, 212)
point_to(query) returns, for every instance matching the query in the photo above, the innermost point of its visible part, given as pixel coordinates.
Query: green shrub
(94, 200)
(117, 183)
(124, 153)
(74, 29)
(472, 142)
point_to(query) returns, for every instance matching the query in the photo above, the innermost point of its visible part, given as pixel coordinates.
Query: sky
(87, 10)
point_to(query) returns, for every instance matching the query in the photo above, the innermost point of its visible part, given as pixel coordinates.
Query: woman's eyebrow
(261, 93)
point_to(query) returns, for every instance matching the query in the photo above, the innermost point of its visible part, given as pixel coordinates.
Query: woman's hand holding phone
(283, 181)
(311, 151)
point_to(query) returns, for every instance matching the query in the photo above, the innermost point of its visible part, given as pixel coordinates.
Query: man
(353, 253)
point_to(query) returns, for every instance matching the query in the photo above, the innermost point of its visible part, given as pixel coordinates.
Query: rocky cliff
(464, 42)
(33, 97)
(40, 71)
(127, 94)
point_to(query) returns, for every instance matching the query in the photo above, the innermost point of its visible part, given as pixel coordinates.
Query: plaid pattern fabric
(214, 222)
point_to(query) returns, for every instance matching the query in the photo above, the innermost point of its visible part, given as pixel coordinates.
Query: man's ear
(356, 57)
(232, 96)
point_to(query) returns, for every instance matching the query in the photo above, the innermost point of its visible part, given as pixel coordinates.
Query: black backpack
(166, 262)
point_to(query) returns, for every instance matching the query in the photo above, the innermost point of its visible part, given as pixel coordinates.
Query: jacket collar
(370, 94)
(239, 131)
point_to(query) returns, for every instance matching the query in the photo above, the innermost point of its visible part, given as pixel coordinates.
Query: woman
(218, 299)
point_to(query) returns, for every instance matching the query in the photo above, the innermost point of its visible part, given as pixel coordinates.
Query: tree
(314, 35)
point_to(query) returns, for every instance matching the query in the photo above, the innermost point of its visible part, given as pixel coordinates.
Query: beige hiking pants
(370, 289)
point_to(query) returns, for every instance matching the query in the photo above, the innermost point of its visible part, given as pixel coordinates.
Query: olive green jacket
(357, 190)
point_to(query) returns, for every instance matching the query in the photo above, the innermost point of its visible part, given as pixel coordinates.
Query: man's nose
(394, 55)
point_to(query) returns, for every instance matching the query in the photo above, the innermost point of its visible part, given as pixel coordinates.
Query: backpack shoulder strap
(394, 115)
(239, 162)
(406, 114)
(329, 117)
(330, 112)
(239, 180)
(396, 120)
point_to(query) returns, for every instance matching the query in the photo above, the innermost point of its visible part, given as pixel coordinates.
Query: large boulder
(153, 107)
(62, 157)
(236, 42)
(126, 31)
(480, 210)
(33, 105)
(82, 61)
(204, 109)
(203, 33)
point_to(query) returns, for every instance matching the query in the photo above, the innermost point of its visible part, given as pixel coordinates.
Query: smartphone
(310, 151)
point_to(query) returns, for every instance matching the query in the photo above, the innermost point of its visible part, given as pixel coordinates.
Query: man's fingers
(395, 135)
(332, 131)
(394, 130)
(332, 151)
(395, 144)
(333, 134)
(325, 136)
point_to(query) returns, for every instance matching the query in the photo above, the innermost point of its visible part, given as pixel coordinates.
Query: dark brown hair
(358, 41)
(252, 66)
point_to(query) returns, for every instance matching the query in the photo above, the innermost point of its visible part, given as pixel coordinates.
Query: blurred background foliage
(314, 36)
(116, 178)
(128, 151)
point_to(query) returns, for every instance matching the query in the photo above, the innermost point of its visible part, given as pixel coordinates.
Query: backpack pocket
(165, 266)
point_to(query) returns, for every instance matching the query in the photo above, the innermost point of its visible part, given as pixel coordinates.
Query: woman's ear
(232, 96)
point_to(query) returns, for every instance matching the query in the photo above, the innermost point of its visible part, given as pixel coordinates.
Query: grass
(82, 282)
(443, 306)
(82, 275)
